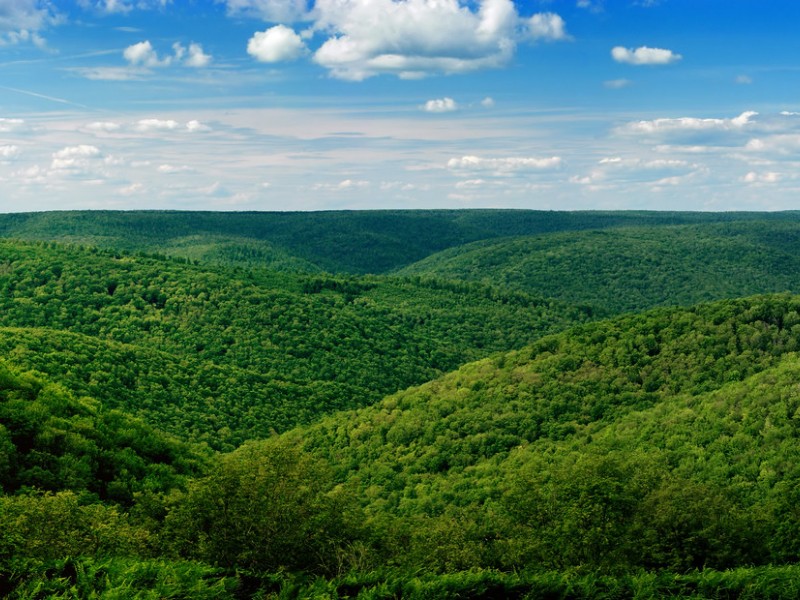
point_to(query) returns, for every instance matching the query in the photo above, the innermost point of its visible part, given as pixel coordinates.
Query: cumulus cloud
(487, 102)
(415, 38)
(144, 55)
(440, 105)
(644, 55)
(547, 26)
(194, 56)
(80, 159)
(504, 165)
(276, 44)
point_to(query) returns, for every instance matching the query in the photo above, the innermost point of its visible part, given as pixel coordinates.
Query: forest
(400, 404)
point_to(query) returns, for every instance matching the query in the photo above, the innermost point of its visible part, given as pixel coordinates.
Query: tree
(266, 506)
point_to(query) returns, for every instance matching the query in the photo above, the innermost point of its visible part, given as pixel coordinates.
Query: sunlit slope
(615, 425)
(627, 269)
(257, 351)
(334, 241)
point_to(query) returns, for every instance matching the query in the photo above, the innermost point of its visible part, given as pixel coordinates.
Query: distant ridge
(355, 242)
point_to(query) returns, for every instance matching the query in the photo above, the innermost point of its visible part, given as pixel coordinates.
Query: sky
(377, 104)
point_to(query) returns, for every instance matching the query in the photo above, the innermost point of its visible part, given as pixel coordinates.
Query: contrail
(43, 96)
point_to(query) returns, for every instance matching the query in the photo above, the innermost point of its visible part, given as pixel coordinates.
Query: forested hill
(338, 241)
(223, 356)
(629, 269)
(663, 440)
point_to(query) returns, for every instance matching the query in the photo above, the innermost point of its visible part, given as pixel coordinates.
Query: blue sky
(350, 104)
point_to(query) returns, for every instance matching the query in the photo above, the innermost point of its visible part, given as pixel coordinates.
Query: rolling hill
(223, 356)
(356, 242)
(464, 427)
(629, 269)
(663, 440)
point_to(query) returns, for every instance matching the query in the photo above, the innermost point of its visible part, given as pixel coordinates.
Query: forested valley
(400, 404)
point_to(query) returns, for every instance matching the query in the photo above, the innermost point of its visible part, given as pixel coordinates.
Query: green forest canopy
(540, 452)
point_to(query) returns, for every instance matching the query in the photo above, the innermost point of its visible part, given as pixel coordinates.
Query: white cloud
(172, 169)
(23, 36)
(638, 163)
(193, 57)
(644, 56)
(781, 144)
(415, 38)
(276, 44)
(440, 105)
(104, 126)
(144, 55)
(547, 26)
(503, 165)
(768, 177)
(79, 159)
(81, 151)
(22, 18)
(197, 58)
(487, 102)
(9, 151)
(149, 125)
(195, 125)
(690, 124)
(743, 79)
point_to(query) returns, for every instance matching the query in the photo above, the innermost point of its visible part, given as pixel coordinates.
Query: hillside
(630, 269)
(52, 441)
(665, 440)
(224, 356)
(355, 242)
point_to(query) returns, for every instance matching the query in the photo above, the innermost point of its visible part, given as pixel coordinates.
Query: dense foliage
(147, 408)
(223, 356)
(355, 242)
(629, 269)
